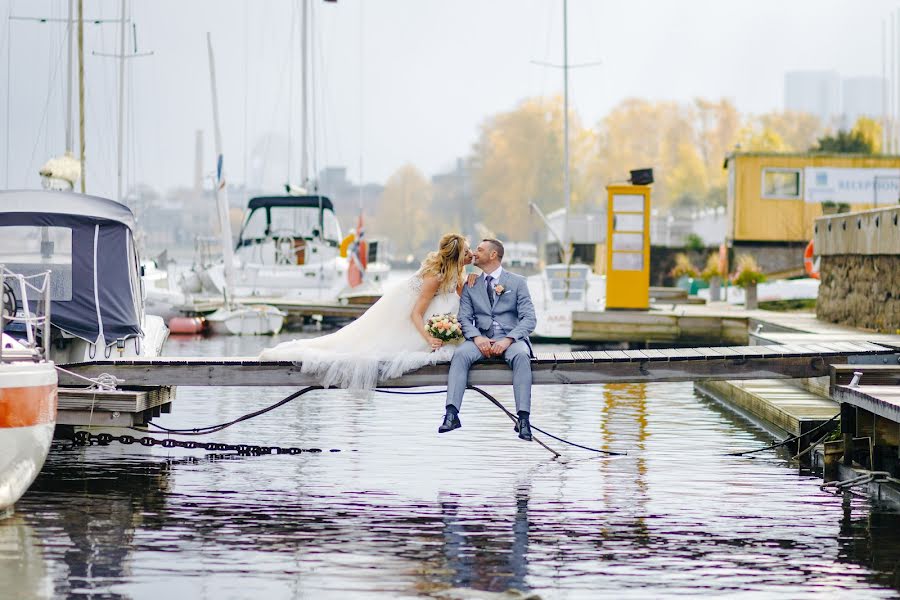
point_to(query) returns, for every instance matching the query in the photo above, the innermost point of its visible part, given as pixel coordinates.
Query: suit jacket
(512, 309)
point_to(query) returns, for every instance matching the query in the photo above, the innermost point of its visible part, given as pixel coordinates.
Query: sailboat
(562, 288)
(291, 246)
(233, 318)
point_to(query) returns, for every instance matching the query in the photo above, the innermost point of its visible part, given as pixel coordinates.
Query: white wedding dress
(380, 344)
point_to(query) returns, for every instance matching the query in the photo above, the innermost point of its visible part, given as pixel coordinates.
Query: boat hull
(27, 417)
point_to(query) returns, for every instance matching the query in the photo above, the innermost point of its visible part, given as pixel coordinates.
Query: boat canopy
(302, 201)
(290, 216)
(87, 243)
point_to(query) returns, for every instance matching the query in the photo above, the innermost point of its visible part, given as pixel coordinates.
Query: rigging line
(274, 115)
(362, 115)
(8, 81)
(46, 110)
(312, 105)
(290, 129)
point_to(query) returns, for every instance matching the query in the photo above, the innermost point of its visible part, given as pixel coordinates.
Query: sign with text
(851, 186)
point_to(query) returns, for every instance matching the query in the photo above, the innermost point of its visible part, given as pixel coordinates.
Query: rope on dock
(103, 381)
(216, 428)
(863, 479)
(792, 438)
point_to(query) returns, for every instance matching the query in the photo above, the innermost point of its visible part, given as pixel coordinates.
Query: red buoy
(187, 325)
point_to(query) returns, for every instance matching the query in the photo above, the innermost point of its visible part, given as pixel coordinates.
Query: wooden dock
(679, 324)
(295, 309)
(670, 364)
(779, 406)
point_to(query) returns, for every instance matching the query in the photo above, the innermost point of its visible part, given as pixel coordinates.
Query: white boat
(558, 291)
(233, 318)
(27, 388)
(290, 247)
(96, 291)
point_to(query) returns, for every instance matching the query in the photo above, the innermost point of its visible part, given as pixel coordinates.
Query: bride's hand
(434, 343)
(471, 279)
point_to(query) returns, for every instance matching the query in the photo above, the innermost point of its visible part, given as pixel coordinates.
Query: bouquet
(444, 327)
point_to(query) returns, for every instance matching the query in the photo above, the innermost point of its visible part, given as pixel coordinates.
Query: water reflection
(410, 513)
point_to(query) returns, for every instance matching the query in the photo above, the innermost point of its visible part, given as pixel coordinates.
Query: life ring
(811, 265)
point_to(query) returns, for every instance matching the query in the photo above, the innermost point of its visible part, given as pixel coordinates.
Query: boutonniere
(498, 289)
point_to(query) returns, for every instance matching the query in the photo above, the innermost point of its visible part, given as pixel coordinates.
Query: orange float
(811, 265)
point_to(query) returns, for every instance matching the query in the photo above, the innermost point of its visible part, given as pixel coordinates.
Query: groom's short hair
(498, 246)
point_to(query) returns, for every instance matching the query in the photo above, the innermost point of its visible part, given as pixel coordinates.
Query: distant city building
(813, 92)
(837, 101)
(348, 197)
(862, 97)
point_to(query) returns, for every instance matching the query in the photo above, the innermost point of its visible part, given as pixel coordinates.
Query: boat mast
(219, 183)
(69, 39)
(567, 245)
(121, 132)
(81, 93)
(304, 157)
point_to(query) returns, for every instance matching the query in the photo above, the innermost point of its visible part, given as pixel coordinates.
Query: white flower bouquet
(444, 327)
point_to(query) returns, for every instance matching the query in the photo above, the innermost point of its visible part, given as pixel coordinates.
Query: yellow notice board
(628, 247)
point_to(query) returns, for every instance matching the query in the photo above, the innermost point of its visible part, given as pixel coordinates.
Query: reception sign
(851, 186)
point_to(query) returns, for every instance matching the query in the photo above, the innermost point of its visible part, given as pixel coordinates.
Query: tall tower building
(862, 97)
(814, 92)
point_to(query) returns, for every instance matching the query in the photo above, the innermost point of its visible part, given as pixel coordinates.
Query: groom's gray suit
(513, 313)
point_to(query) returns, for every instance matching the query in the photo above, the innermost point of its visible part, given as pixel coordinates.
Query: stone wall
(860, 269)
(860, 290)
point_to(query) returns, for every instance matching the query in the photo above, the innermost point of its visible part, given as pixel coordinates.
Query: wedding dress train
(380, 344)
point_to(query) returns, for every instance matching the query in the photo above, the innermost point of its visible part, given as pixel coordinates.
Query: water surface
(402, 512)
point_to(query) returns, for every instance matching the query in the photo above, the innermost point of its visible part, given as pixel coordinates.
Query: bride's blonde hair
(448, 263)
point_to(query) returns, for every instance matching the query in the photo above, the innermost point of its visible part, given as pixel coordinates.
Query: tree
(519, 159)
(849, 142)
(404, 211)
(870, 129)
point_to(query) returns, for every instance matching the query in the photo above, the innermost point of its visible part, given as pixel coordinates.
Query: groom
(497, 316)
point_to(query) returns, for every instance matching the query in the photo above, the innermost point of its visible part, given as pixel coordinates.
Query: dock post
(848, 428)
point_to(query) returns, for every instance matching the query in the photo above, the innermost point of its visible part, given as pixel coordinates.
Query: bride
(390, 338)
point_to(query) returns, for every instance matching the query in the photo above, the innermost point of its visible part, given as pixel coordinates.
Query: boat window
(781, 183)
(332, 230)
(30, 250)
(255, 226)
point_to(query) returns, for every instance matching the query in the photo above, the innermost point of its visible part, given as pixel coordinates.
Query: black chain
(86, 438)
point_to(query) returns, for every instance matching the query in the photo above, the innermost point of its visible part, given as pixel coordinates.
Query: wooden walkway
(673, 364)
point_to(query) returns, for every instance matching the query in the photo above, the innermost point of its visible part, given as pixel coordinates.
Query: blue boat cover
(105, 297)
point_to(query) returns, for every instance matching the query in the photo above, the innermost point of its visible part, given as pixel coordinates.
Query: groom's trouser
(517, 356)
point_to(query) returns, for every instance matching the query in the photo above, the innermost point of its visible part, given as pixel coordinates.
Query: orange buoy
(811, 266)
(187, 325)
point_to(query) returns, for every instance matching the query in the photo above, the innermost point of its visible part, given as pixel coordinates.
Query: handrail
(39, 283)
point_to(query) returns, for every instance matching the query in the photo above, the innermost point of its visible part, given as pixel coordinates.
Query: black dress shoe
(451, 422)
(524, 429)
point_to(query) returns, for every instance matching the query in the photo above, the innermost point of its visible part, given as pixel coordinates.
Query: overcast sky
(396, 81)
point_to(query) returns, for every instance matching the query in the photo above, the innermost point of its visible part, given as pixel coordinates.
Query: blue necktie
(490, 289)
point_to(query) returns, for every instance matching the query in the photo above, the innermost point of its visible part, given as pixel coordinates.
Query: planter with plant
(712, 274)
(684, 271)
(748, 275)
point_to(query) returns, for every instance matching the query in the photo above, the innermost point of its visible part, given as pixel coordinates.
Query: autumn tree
(519, 159)
(864, 138)
(403, 214)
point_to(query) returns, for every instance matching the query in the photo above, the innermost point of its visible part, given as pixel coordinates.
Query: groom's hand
(500, 346)
(483, 344)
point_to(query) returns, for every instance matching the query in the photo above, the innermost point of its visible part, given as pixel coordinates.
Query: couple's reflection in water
(81, 529)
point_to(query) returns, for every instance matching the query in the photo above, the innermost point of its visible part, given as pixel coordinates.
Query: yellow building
(773, 198)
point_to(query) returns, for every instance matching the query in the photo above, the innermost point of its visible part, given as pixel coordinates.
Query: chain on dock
(85, 438)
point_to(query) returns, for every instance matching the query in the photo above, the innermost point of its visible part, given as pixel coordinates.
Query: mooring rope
(216, 428)
(792, 438)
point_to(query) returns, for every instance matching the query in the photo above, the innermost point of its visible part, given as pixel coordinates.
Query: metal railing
(17, 308)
